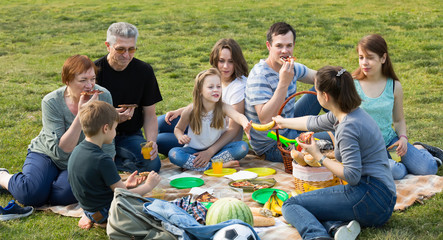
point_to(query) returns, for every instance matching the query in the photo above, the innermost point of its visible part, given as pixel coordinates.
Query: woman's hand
(86, 98)
(171, 116)
(278, 122)
(402, 146)
(133, 181)
(202, 158)
(124, 114)
(312, 148)
(184, 139)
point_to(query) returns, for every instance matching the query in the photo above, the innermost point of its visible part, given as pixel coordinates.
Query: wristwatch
(321, 160)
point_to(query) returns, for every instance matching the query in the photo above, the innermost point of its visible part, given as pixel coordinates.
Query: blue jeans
(313, 213)
(415, 161)
(183, 156)
(306, 105)
(166, 139)
(129, 157)
(41, 182)
(104, 212)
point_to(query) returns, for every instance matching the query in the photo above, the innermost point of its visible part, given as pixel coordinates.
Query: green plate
(262, 171)
(225, 171)
(258, 182)
(187, 182)
(207, 204)
(262, 195)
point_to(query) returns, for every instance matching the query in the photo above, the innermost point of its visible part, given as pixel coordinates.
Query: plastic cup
(217, 166)
(158, 192)
(394, 155)
(146, 151)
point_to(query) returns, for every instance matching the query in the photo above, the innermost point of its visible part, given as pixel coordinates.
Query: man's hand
(286, 72)
(124, 114)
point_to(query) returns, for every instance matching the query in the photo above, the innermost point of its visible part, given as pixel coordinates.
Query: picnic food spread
(144, 174)
(250, 185)
(90, 93)
(263, 127)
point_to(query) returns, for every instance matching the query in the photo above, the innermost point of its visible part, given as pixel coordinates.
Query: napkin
(242, 175)
(183, 174)
(199, 190)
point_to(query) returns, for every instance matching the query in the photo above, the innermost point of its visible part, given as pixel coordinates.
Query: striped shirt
(260, 87)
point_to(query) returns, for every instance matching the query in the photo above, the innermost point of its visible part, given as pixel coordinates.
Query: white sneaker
(349, 232)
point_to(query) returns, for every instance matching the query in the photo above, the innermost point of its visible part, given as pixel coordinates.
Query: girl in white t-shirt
(206, 118)
(227, 57)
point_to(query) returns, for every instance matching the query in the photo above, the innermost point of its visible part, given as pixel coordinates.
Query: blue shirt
(260, 87)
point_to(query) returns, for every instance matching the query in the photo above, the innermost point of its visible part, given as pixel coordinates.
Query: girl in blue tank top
(382, 97)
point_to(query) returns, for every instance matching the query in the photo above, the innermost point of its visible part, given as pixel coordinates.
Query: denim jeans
(183, 156)
(415, 161)
(103, 211)
(166, 139)
(129, 157)
(41, 182)
(313, 213)
(304, 106)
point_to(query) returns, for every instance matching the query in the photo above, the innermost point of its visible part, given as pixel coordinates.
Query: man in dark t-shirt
(130, 81)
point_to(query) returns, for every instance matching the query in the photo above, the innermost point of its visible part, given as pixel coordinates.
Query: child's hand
(153, 180)
(185, 139)
(133, 181)
(202, 158)
(247, 129)
(310, 148)
(171, 116)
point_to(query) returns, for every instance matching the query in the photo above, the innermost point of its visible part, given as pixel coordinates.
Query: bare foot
(85, 222)
(233, 163)
(100, 225)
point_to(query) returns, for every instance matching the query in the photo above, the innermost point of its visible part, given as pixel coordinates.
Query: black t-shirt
(91, 172)
(136, 84)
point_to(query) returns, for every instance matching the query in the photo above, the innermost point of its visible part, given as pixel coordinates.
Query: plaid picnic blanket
(411, 189)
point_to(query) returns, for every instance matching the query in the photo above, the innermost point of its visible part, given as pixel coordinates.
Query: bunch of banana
(263, 127)
(274, 204)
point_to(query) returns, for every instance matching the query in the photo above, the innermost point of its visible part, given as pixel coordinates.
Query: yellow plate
(225, 171)
(261, 171)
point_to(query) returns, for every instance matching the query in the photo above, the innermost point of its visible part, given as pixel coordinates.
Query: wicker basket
(286, 154)
(311, 178)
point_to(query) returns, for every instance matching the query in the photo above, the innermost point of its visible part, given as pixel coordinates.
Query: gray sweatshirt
(56, 119)
(359, 145)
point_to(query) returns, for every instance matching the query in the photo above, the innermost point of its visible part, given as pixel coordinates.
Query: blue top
(380, 108)
(359, 146)
(260, 87)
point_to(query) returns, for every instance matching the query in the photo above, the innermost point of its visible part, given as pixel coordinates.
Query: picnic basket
(306, 178)
(285, 153)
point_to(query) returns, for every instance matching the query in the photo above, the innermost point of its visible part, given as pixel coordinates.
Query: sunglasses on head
(122, 50)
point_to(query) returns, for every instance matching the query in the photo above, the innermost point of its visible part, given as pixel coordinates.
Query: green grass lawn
(176, 38)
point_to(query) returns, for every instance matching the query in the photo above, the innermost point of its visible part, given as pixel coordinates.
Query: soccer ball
(234, 232)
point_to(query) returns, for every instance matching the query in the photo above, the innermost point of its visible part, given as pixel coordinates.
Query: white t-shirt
(235, 91)
(208, 135)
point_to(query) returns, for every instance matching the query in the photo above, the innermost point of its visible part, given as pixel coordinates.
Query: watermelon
(229, 208)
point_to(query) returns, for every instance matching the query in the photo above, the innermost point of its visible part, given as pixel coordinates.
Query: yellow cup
(217, 165)
(394, 155)
(146, 149)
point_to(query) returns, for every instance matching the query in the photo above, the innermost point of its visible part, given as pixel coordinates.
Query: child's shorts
(99, 216)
